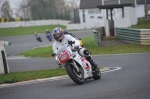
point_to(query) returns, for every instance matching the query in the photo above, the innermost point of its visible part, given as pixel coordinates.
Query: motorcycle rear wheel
(96, 74)
(77, 77)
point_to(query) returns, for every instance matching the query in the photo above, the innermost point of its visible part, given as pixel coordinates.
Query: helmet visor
(57, 36)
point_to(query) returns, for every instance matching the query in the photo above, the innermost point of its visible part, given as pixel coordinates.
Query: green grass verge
(89, 44)
(30, 75)
(142, 24)
(38, 52)
(117, 49)
(27, 30)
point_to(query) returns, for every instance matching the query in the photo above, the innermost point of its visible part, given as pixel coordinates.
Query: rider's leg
(94, 65)
(89, 58)
(84, 52)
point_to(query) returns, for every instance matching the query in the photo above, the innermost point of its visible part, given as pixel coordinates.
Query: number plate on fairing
(64, 56)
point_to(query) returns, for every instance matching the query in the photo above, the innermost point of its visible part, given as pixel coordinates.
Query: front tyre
(77, 77)
(96, 74)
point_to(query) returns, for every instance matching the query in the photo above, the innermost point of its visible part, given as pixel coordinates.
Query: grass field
(30, 75)
(95, 50)
(27, 30)
(142, 24)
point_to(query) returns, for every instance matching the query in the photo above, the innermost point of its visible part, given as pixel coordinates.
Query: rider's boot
(89, 58)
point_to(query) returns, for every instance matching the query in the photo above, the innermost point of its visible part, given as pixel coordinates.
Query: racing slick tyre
(77, 77)
(96, 74)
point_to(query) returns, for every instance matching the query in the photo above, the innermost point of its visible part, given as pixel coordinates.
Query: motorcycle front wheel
(77, 77)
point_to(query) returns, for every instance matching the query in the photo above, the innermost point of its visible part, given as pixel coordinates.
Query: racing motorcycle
(77, 67)
(38, 37)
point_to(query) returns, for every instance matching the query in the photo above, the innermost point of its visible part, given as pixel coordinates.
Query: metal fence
(98, 36)
(137, 36)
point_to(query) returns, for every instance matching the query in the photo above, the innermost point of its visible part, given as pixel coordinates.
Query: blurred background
(25, 10)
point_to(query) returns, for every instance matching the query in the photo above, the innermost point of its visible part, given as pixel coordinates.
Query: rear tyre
(77, 77)
(40, 39)
(96, 73)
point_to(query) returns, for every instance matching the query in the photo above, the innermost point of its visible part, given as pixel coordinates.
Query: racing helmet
(58, 34)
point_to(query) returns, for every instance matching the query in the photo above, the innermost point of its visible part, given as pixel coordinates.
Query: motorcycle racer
(61, 38)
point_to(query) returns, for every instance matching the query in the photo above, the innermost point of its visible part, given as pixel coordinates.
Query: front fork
(73, 63)
(75, 66)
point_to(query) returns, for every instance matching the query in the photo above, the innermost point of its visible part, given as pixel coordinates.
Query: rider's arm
(76, 42)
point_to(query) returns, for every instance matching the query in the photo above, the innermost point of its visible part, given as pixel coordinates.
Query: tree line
(40, 9)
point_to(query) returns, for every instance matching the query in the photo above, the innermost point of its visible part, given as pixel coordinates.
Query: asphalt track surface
(130, 82)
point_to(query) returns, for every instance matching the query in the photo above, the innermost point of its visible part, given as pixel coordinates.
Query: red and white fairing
(66, 54)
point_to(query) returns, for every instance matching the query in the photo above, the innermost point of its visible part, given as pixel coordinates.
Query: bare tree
(0, 5)
(23, 10)
(44, 9)
(6, 11)
(1, 1)
(60, 5)
(72, 4)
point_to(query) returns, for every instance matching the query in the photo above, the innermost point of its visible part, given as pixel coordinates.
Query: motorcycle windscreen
(64, 56)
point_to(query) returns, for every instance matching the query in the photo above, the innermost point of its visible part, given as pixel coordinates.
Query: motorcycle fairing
(64, 56)
(87, 69)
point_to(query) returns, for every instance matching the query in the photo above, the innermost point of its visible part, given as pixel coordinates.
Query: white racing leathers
(57, 45)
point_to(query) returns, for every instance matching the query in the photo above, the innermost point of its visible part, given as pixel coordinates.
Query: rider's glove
(59, 65)
(75, 48)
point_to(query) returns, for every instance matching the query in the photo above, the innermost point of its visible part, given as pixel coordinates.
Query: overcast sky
(13, 3)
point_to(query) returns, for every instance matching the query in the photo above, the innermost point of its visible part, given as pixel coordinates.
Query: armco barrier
(137, 36)
(3, 60)
(98, 34)
(96, 38)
